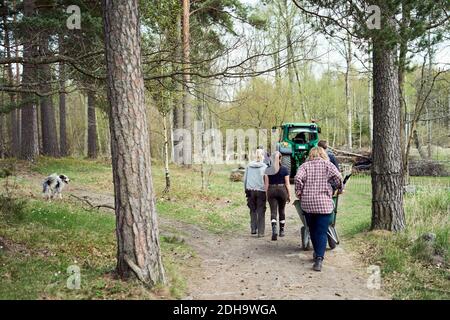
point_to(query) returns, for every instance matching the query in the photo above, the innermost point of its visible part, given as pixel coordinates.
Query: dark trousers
(318, 227)
(277, 196)
(256, 201)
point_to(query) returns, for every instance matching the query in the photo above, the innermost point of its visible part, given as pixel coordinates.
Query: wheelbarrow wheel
(333, 238)
(306, 241)
(331, 243)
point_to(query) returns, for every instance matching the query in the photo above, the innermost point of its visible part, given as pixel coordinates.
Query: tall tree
(63, 147)
(138, 250)
(387, 170)
(48, 118)
(92, 126)
(29, 141)
(14, 133)
(186, 100)
(387, 192)
(348, 104)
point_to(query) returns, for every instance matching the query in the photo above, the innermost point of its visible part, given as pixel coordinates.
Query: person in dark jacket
(256, 193)
(324, 145)
(278, 193)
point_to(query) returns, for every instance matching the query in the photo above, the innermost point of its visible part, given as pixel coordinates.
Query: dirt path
(241, 266)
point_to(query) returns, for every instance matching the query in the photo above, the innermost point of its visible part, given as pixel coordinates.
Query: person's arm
(287, 183)
(266, 182)
(335, 178)
(245, 179)
(299, 184)
(334, 160)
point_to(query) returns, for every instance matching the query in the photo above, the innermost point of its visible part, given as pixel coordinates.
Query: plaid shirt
(313, 185)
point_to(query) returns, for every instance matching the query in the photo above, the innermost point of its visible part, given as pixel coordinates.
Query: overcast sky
(442, 56)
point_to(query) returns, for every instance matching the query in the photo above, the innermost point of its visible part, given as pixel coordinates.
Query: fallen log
(349, 153)
(93, 206)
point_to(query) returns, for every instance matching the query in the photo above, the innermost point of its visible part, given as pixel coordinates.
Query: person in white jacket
(256, 194)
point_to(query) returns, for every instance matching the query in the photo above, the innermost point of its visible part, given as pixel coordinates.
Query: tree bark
(63, 148)
(48, 119)
(92, 126)
(418, 146)
(387, 175)
(29, 144)
(178, 103)
(348, 106)
(138, 249)
(370, 104)
(14, 133)
(187, 144)
(166, 153)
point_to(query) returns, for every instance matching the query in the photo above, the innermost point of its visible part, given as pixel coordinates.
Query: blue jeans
(318, 227)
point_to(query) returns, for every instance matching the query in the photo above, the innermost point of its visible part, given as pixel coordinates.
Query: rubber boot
(281, 229)
(274, 231)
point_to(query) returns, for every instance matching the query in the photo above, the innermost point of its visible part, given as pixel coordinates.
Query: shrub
(12, 210)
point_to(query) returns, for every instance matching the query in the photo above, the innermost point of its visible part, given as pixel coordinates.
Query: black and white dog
(53, 185)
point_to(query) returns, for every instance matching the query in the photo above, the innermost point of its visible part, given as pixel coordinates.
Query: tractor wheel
(286, 162)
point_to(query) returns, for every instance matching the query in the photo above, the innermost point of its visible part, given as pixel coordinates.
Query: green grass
(407, 268)
(220, 208)
(92, 173)
(48, 238)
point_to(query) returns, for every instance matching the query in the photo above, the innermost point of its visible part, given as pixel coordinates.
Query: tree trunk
(29, 145)
(429, 137)
(92, 126)
(14, 133)
(418, 146)
(138, 249)
(370, 102)
(387, 177)
(402, 63)
(348, 105)
(448, 115)
(166, 153)
(63, 148)
(48, 120)
(290, 52)
(178, 103)
(187, 144)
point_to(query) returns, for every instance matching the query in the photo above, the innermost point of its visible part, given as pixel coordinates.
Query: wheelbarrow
(332, 234)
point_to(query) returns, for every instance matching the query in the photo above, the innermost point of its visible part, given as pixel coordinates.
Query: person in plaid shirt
(313, 187)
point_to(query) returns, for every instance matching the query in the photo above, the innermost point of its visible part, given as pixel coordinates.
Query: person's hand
(288, 199)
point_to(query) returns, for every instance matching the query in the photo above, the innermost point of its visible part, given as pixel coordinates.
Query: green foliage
(12, 210)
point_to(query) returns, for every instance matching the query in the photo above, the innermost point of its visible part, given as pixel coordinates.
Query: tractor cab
(296, 140)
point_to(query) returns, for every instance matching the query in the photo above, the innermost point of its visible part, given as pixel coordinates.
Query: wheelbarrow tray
(333, 237)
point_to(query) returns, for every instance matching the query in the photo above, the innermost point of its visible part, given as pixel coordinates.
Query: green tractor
(296, 140)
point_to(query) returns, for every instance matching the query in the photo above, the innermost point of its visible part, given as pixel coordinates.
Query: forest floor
(211, 249)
